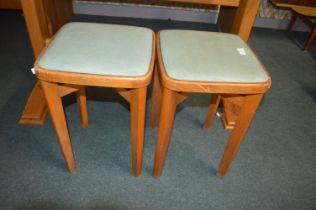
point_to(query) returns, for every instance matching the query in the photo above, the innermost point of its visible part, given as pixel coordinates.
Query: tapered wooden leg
(156, 101)
(311, 38)
(82, 106)
(138, 109)
(55, 107)
(212, 109)
(168, 109)
(247, 112)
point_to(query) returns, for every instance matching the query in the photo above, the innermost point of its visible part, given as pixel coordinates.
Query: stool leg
(310, 39)
(246, 114)
(138, 110)
(82, 106)
(156, 101)
(212, 109)
(57, 114)
(169, 104)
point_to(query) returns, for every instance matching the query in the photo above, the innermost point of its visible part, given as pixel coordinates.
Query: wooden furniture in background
(290, 3)
(305, 14)
(231, 105)
(303, 9)
(10, 4)
(238, 20)
(233, 3)
(43, 19)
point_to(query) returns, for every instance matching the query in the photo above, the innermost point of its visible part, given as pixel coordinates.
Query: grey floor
(274, 169)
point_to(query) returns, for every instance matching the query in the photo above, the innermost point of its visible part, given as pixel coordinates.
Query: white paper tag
(218, 114)
(241, 51)
(33, 70)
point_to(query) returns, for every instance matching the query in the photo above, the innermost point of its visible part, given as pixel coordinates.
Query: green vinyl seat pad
(209, 57)
(101, 49)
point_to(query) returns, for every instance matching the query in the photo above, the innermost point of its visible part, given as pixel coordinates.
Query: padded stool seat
(103, 55)
(205, 62)
(101, 49)
(209, 57)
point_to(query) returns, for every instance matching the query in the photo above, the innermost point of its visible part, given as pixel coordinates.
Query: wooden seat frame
(168, 93)
(56, 84)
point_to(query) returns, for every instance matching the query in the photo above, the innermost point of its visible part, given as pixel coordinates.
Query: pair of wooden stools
(124, 57)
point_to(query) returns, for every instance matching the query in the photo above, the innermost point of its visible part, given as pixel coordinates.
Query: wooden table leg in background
(35, 110)
(243, 18)
(43, 18)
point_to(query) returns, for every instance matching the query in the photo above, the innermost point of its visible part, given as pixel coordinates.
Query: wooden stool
(204, 62)
(104, 55)
(308, 16)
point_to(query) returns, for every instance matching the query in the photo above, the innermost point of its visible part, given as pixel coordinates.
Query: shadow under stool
(102, 55)
(204, 62)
